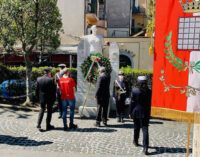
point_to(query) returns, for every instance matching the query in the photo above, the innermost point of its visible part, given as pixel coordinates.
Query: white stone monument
(114, 60)
(89, 44)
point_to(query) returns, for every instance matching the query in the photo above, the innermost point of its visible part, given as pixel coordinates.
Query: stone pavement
(19, 137)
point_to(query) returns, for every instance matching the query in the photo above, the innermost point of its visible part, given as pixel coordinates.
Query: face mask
(121, 77)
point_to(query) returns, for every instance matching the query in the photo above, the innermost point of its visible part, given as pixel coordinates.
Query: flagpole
(188, 138)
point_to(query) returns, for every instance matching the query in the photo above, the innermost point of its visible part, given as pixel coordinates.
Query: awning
(66, 49)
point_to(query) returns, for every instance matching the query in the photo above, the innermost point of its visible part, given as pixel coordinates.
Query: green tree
(151, 16)
(26, 25)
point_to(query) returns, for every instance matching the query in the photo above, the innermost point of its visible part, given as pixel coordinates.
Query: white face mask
(121, 77)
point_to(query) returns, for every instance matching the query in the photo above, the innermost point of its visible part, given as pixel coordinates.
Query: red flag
(177, 57)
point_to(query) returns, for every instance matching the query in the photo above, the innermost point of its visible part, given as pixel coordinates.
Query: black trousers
(120, 108)
(49, 113)
(59, 102)
(102, 111)
(141, 123)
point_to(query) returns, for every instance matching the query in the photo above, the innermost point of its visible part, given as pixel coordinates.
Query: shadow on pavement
(122, 125)
(15, 112)
(161, 150)
(155, 122)
(21, 141)
(107, 130)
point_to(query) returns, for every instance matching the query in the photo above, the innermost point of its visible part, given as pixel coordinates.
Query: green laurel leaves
(195, 66)
(177, 62)
(103, 61)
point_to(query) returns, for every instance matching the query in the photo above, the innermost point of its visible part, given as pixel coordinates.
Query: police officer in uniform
(58, 75)
(46, 92)
(140, 109)
(120, 93)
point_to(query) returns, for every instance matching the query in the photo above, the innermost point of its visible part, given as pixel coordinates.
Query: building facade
(116, 20)
(120, 21)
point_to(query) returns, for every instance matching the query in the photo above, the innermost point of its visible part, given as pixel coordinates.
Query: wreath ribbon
(94, 59)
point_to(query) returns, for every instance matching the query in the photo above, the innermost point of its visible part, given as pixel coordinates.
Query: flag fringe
(175, 115)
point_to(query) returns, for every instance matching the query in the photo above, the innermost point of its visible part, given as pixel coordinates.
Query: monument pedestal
(83, 90)
(87, 112)
(92, 44)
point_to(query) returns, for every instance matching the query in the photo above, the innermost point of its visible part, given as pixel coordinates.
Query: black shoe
(65, 128)
(105, 124)
(135, 143)
(38, 126)
(50, 127)
(41, 130)
(122, 120)
(97, 124)
(145, 151)
(72, 126)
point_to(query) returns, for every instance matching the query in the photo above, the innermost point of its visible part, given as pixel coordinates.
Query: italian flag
(176, 77)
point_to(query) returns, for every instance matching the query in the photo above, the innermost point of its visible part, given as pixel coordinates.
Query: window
(125, 60)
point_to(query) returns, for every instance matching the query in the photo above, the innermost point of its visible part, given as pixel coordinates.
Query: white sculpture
(93, 43)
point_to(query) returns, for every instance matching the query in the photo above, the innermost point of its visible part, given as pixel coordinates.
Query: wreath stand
(85, 100)
(94, 59)
(90, 74)
(188, 138)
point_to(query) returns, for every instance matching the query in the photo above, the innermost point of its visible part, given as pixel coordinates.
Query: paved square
(18, 132)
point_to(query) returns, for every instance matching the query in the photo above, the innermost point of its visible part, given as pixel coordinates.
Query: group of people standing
(139, 105)
(65, 87)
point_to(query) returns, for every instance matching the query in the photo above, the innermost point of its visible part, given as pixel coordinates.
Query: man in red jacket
(67, 88)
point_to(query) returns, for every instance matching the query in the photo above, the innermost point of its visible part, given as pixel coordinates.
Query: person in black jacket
(46, 92)
(140, 109)
(102, 96)
(58, 75)
(120, 93)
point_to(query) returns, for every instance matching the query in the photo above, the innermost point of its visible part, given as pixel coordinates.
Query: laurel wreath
(177, 62)
(103, 61)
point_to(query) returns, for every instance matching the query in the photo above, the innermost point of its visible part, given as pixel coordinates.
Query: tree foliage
(29, 24)
(151, 16)
(26, 25)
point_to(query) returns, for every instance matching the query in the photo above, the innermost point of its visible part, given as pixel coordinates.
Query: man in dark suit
(140, 109)
(102, 96)
(46, 92)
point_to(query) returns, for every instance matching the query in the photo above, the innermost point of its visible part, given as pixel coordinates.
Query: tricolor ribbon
(94, 59)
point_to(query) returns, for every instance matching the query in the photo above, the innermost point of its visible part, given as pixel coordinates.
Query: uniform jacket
(124, 86)
(46, 89)
(102, 88)
(140, 105)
